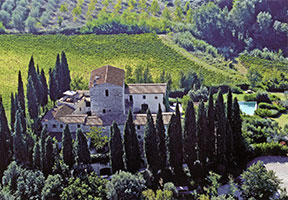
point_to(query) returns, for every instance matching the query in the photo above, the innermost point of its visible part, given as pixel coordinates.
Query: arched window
(106, 93)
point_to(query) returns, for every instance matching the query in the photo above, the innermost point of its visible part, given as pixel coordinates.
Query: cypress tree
(172, 147)
(65, 68)
(220, 125)
(132, 157)
(202, 133)
(22, 116)
(42, 141)
(211, 138)
(59, 76)
(32, 99)
(37, 156)
(116, 148)
(5, 140)
(35, 80)
(178, 144)
(239, 145)
(190, 137)
(19, 144)
(53, 85)
(151, 144)
(67, 147)
(45, 89)
(229, 106)
(229, 134)
(81, 148)
(160, 131)
(49, 157)
(12, 112)
(21, 96)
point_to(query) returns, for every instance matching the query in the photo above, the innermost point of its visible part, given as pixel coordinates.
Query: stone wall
(152, 100)
(107, 99)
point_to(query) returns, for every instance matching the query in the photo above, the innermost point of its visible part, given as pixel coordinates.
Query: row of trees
(211, 141)
(37, 88)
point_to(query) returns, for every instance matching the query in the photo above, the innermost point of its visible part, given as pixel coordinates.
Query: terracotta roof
(62, 111)
(73, 119)
(105, 120)
(146, 88)
(140, 119)
(94, 121)
(58, 112)
(107, 74)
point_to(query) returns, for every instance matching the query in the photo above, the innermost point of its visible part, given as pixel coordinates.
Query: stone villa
(108, 99)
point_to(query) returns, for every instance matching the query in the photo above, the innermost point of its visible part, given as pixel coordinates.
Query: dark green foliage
(211, 139)
(202, 133)
(49, 157)
(259, 183)
(236, 126)
(132, 156)
(173, 147)
(269, 149)
(116, 148)
(53, 187)
(190, 137)
(67, 147)
(266, 113)
(271, 106)
(151, 144)
(19, 144)
(21, 96)
(5, 140)
(12, 112)
(53, 85)
(42, 141)
(32, 99)
(59, 76)
(35, 80)
(45, 89)
(160, 131)
(66, 75)
(23, 183)
(229, 106)
(37, 156)
(125, 185)
(81, 148)
(87, 187)
(220, 126)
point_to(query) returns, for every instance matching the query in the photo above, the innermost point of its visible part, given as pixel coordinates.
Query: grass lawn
(282, 120)
(87, 52)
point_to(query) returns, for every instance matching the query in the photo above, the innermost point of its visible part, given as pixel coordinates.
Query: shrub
(262, 96)
(178, 93)
(236, 90)
(266, 113)
(2, 28)
(31, 23)
(125, 185)
(269, 149)
(199, 95)
(5, 17)
(250, 97)
(259, 183)
(271, 106)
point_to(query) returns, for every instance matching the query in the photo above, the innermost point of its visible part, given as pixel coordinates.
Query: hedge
(269, 149)
(271, 106)
(266, 113)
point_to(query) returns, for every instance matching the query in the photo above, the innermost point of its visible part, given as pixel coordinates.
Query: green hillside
(87, 52)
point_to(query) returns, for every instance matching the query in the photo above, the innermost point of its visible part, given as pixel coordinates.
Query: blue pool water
(248, 107)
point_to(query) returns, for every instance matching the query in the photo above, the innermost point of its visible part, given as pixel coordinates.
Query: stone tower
(107, 91)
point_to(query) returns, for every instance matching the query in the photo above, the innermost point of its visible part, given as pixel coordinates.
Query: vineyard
(87, 52)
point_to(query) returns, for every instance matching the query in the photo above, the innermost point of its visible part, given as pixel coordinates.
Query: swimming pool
(248, 107)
